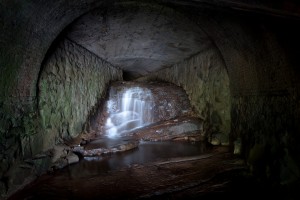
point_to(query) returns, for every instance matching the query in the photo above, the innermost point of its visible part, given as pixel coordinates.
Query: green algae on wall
(71, 84)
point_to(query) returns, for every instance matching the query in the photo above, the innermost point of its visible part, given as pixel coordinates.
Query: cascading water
(127, 110)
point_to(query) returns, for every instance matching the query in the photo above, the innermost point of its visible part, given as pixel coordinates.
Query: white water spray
(131, 109)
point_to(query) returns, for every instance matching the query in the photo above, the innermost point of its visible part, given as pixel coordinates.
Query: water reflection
(147, 152)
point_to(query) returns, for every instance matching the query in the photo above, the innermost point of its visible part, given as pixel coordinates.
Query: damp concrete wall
(205, 80)
(28, 29)
(263, 69)
(268, 126)
(71, 85)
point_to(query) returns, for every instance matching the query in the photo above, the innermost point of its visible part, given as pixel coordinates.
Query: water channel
(128, 109)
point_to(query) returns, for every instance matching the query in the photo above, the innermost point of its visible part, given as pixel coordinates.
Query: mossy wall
(205, 80)
(71, 84)
(27, 30)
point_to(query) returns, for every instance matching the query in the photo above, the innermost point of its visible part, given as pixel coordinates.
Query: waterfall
(127, 110)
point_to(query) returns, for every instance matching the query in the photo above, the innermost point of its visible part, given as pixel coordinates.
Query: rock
(104, 151)
(42, 164)
(2, 189)
(83, 142)
(59, 164)
(63, 156)
(128, 146)
(237, 147)
(39, 156)
(72, 158)
(215, 141)
(181, 128)
(59, 151)
(219, 139)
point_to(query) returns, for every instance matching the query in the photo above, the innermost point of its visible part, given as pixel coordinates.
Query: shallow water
(145, 153)
(65, 183)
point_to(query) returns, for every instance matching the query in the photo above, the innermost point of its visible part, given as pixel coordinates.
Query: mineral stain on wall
(205, 80)
(71, 85)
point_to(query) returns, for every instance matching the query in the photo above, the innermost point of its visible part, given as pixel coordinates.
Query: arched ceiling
(30, 27)
(138, 38)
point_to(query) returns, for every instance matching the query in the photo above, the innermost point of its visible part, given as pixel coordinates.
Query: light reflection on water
(145, 153)
(80, 181)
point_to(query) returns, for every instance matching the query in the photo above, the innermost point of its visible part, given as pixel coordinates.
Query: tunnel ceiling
(139, 39)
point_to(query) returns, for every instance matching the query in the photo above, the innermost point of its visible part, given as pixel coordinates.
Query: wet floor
(57, 184)
(145, 153)
(214, 174)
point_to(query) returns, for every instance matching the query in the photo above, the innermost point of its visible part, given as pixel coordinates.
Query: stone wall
(70, 87)
(71, 84)
(269, 130)
(205, 80)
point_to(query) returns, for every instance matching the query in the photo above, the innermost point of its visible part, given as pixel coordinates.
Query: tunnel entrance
(140, 122)
(75, 76)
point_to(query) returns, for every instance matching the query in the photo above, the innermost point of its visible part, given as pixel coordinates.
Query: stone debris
(62, 156)
(103, 151)
(182, 128)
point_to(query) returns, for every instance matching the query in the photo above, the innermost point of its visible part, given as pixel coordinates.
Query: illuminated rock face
(134, 105)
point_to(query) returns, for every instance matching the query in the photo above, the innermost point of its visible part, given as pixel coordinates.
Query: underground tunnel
(149, 99)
